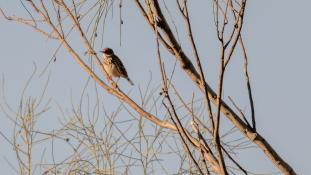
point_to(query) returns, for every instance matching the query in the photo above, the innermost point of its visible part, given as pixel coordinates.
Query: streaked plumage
(113, 65)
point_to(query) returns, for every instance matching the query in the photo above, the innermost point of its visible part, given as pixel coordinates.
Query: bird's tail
(130, 81)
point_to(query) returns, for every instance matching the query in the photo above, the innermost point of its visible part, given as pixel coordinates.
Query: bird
(113, 65)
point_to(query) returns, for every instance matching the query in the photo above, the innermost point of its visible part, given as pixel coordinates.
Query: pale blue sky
(277, 37)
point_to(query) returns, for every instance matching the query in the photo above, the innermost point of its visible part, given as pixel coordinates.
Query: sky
(277, 37)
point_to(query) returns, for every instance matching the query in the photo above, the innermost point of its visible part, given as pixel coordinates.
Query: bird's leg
(114, 84)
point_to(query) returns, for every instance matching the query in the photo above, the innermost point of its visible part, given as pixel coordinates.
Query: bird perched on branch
(113, 65)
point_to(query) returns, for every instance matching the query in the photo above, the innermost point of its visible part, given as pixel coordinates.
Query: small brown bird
(113, 65)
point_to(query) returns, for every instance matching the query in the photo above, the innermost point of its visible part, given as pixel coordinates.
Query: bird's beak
(101, 51)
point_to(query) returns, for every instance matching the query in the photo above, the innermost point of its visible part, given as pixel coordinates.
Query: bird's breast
(111, 68)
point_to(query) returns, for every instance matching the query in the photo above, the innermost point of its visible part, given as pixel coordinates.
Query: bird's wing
(120, 66)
